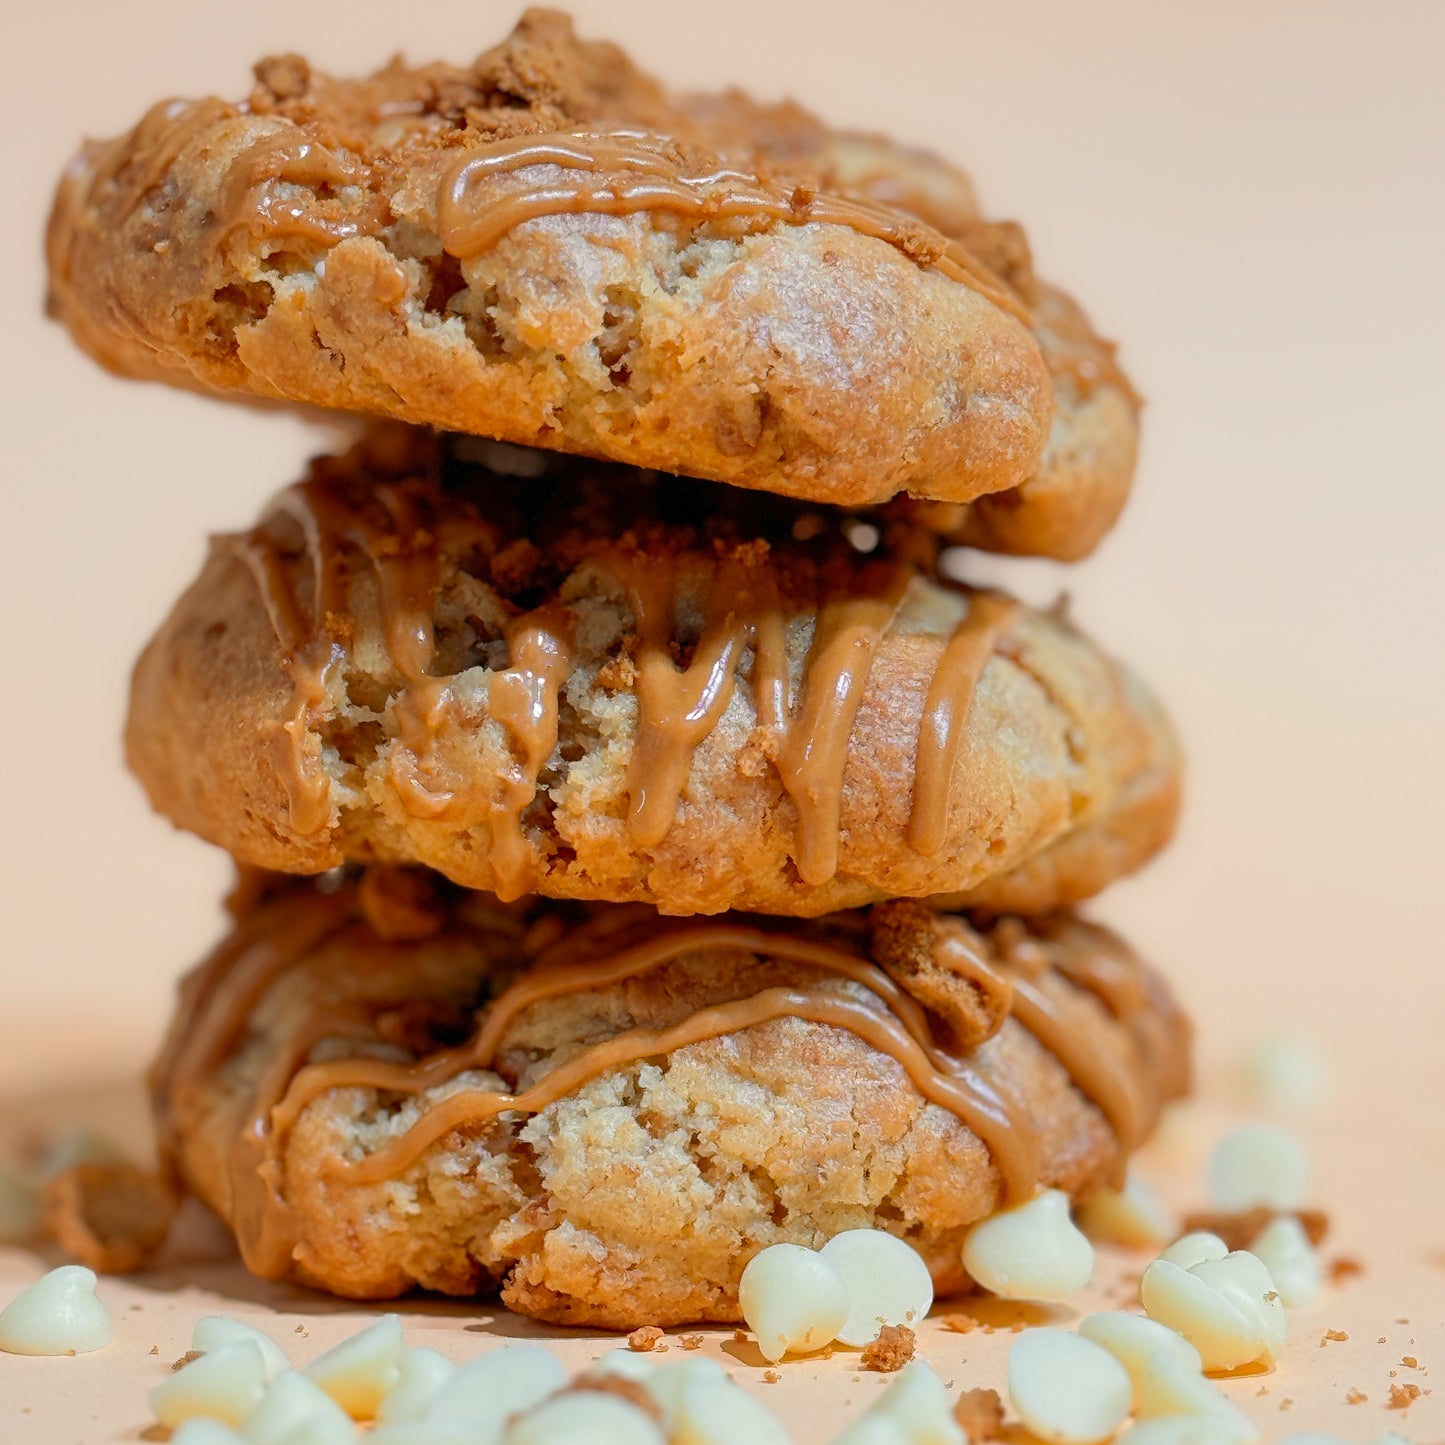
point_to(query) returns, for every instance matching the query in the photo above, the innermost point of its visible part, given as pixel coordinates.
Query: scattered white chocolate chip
(1228, 1309)
(360, 1371)
(58, 1315)
(1285, 1251)
(793, 1300)
(1283, 1073)
(295, 1410)
(1066, 1389)
(1033, 1251)
(201, 1431)
(1168, 1387)
(668, 1385)
(19, 1207)
(711, 1410)
(1131, 1216)
(887, 1282)
(486, 1391)
(420, 1373)
(224, 1384)
(1191, 1249)
(1134, 1340)
(1259, 1164)
(585, 1415)
(214, 1331)
(916, 1409)
(1189, 1430)
(425, 1431)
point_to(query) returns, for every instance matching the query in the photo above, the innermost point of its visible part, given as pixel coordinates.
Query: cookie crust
(638, 1195)
(418, 245)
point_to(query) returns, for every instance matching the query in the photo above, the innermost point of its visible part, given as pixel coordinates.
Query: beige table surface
(1248, 195)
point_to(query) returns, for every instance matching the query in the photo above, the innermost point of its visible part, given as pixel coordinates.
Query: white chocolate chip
(714, 1411)
(1131, 1216)
(915, 1408)
(486, 1391)
(1191, 1430)
(1258, 1164)
(874, 1430)
(420, 1373)
(224, 1384)
(585, 1416)
(887, 1283)
(793, 1300)
(19, 1208)
(361, 1371)
(201, 1431)
(424, 1432)
(1191, 1249)
(1134, 1340)
(1170, 1387)
(1283, 1073)
(1285, 1251)
(295, 1410)
(1033, 1251)
(1228, 1309)
(671, 1384)
(1066, 1389)
(58, 1314)
(213, 1331)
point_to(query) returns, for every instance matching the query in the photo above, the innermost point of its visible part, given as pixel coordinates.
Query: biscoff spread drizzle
(488, 193)
(220, 998)
(409, 537)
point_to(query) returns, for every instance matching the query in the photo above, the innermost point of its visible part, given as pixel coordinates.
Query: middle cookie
(678, 694)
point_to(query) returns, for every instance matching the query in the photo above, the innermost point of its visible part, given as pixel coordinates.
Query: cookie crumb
(1410, 1362)
(980, 1414)
(1329, 1335)
(1355, 1397)
(645, 1339)
(1344, 1268)
(1402, 1396)
(771, 1377)
(185, 1360)
(890, 1351)
(740, 1337)
(690, 1342)
(155, 1349)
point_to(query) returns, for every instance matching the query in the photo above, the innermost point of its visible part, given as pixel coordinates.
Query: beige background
(1248, 195)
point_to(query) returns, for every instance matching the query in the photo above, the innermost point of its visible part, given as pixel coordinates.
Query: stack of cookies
(647, 854)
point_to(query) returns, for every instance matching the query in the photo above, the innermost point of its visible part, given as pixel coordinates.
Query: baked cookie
(591, 683)
(390, 1083)
(1075, 495)
(543, 248)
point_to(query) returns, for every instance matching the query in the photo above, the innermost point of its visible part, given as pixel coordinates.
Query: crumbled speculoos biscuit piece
(1403, 1396)
(645, 1338)
(111, 1217)
(892, 1349)
(690, 1342)
(980, 1414)
(907, 937)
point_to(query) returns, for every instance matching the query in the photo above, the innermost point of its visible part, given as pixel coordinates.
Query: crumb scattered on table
(891, 1350)
(980, 1414)
(690, 1342)
(1403, 1396)
(645, 1339)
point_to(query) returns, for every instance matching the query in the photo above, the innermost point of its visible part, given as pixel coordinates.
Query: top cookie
(547, 248)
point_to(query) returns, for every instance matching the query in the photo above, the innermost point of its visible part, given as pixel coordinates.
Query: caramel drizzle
(678, 707)
(950, 694)
(222, 996)
(623, 173)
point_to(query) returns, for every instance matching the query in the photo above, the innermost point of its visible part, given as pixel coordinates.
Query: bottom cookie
(382, 1082)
